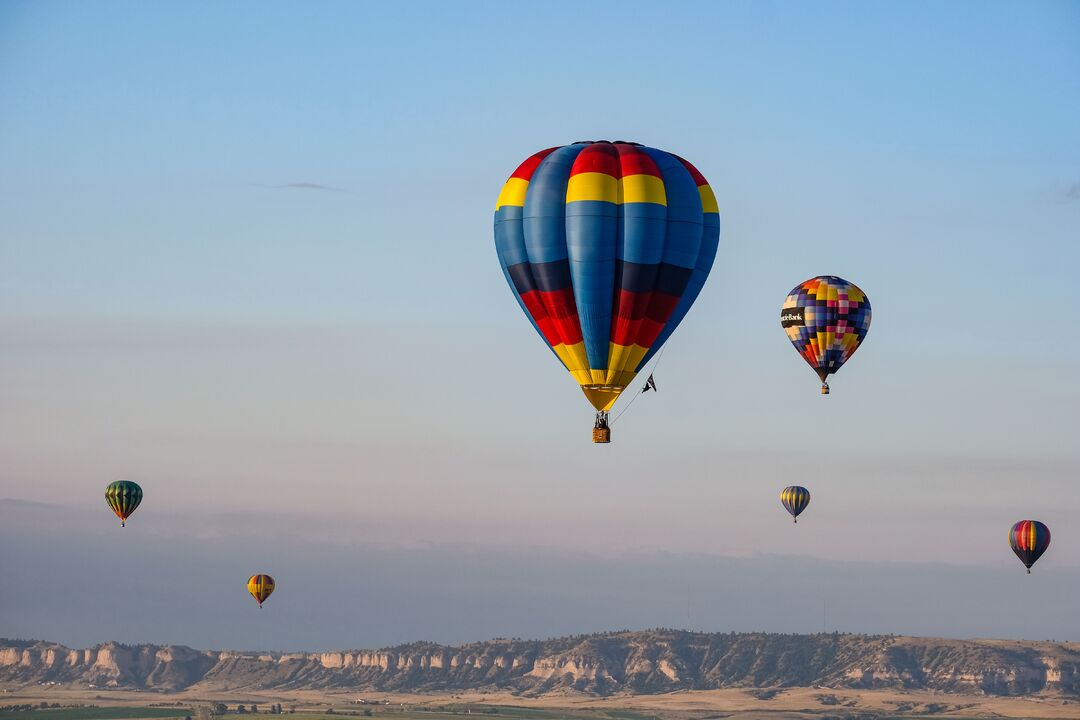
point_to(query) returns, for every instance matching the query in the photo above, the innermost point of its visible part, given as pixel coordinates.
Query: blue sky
(177, 308)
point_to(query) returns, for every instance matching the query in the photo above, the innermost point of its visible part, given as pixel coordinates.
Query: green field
(628, 715)
(93, 713)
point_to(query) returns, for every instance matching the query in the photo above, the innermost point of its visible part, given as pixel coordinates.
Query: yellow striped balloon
(795, 499)
(260, 587)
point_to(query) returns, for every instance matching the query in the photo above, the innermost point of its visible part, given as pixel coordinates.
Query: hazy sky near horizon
(78, 582)
(246, 260)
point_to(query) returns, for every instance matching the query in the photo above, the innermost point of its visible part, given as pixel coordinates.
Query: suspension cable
(656, 364)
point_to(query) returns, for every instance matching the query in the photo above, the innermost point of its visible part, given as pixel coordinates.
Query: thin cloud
(19, 504)
(302, 186)
(1073, 193)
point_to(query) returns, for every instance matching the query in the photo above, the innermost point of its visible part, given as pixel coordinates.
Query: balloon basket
(601, 435)
(824, 388)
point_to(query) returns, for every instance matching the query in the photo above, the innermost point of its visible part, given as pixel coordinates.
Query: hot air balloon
(123, 497)
(795, 499)
(1029, 540)
(605, 246)
(826, 318)
(260, 587)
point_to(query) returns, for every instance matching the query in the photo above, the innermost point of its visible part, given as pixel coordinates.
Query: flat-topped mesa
(641, 662)
(336, 660)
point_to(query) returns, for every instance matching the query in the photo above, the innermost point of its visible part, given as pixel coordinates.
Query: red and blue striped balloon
(1029, 540)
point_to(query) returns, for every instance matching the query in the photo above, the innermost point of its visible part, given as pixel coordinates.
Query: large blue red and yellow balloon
(605, 246)
(826, 318)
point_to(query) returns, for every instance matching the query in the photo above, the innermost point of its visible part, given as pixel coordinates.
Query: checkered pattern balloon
(826, 318)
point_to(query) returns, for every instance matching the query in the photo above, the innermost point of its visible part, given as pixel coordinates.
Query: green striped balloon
(123, 497)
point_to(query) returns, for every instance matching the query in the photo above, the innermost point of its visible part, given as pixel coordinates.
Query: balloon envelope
(123, 496)
(826, 318)
(260, 587)
(605, 247)
(795, 499)
(1029, 540)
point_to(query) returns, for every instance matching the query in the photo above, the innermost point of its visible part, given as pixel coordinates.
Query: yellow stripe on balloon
(623, 359)
(708, 199)
(575, 360)
(592, 186)
(581, 377)
(512, 193)
(599, 376)
(601, 187)
(642, 188)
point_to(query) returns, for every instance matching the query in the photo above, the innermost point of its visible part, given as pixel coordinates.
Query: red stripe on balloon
(661, 306)
(630, 308)
(562, 311)
(597, 158)
(699, 179)
(539, 314)
(526, 169)
(635, 161)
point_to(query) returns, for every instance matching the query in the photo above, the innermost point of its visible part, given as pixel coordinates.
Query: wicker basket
(601, 435)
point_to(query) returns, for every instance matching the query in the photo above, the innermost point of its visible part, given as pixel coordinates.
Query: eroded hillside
(641, 662)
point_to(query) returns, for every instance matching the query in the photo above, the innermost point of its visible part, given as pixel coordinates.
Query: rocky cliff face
(642, 662)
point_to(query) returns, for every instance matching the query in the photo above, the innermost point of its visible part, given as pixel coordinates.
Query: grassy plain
(94, 713)
(728, 704)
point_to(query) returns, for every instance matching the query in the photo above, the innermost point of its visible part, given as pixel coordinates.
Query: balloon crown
(610, 142)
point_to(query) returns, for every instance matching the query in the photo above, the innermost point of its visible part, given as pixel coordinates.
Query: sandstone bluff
(655, 661)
